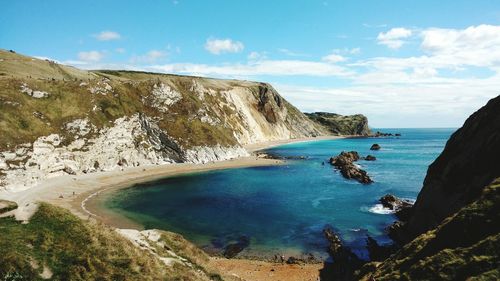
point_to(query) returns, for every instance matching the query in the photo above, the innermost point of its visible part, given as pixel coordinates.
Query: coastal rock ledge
(345, 163)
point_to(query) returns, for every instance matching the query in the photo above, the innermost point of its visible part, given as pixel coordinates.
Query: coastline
(75, 192)
(79, 193)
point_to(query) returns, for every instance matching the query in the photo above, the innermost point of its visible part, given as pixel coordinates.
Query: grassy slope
(464, 247)
(77, 250)
(23, 119)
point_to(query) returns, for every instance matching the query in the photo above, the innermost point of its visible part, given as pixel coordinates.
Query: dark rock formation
(463, 246)
(468, 163)
(345, 262)
(378, 252)
(233, 249)
(453, 230)
(394, 203)
(344, 162)
(6, 206)
(342, 125)
(370, 158)
(375, 146)
(402, 207)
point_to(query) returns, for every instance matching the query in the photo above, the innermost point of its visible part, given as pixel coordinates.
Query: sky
(403, 64)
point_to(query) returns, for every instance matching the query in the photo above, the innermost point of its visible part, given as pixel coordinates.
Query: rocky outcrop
(356, 125)
(468, 163)
(401, 207)
(7, 206)
(375, 146)
(345, 262)
(344, 162)
(370, 158)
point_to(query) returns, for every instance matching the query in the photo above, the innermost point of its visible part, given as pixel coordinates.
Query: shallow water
(283, 209)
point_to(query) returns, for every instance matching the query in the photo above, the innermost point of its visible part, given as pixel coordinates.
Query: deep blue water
(285, 208)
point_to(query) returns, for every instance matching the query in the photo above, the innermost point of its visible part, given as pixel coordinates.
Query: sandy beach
(77, 194)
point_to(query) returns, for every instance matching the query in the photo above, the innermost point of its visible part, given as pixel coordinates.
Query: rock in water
(402, 207)
(345, 262)
(344, 162)
(375, 146)
(394, 203)
(370, 158)
(233, 249)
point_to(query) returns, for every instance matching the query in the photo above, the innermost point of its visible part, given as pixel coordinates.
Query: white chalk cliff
(123, 119)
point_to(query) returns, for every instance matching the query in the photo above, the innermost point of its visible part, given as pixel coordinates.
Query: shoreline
(71, 191)
(79, 195)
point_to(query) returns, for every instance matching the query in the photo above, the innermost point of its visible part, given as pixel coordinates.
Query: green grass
(77, 250)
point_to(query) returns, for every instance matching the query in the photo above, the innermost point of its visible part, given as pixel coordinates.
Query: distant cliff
(342, 125)
(453, 232)
(58, 120)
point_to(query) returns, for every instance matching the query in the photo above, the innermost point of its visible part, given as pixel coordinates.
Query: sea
(283, 209)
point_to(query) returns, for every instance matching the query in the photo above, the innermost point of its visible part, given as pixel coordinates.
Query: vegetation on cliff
(464, 246)
(453, 230)
(342, 124)
(55, 244)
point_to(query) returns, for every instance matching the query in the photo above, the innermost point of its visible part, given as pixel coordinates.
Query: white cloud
(394, 37)
(444, 104)
(475, 45)
(257, 56)
(91, 56)
(291, 53)
(219, 46)
(107, 35)
(150, 57)
(260, 67)
(334, 58)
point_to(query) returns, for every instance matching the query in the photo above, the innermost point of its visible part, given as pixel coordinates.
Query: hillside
(453, 232)
(342, 125)
(57, 120)
(57, 245)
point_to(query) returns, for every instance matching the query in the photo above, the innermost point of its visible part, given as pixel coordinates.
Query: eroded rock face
(344, 163)
(468, 163)
(130, 142)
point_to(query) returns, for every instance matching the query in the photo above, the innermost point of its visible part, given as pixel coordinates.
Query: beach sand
(77, 194)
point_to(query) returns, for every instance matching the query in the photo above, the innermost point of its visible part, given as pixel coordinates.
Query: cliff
(453, 229)
(468, 163)
(464, 246)
(342, 125)
(58, 120)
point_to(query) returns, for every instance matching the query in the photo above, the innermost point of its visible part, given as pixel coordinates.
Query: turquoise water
(285, 208)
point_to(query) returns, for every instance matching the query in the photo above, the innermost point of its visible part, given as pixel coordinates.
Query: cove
(283, 209)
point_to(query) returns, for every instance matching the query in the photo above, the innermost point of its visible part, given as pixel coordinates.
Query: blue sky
(401, 63)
